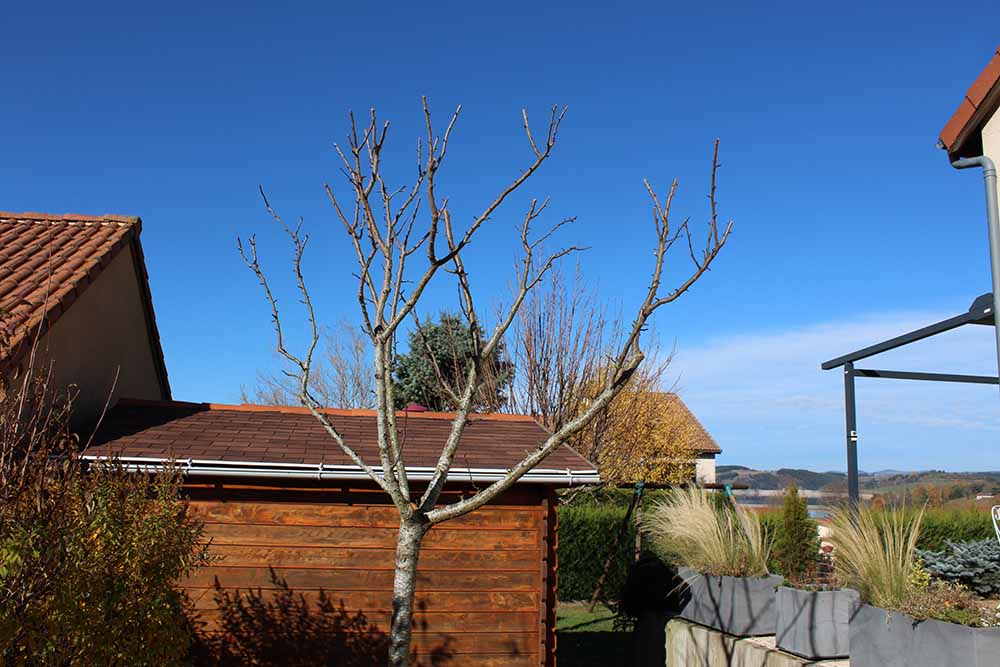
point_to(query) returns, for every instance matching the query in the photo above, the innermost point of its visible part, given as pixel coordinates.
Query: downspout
(993, 223)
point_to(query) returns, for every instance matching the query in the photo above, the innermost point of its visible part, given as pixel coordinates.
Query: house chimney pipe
(993, 223)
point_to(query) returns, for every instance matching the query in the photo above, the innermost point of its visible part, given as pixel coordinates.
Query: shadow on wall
(286, 629)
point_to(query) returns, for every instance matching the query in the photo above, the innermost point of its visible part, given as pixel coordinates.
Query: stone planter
(881, 638)
(741, 606)
(814, 624)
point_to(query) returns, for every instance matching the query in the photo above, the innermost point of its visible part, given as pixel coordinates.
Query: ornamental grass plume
(874, 553)
(686, 528)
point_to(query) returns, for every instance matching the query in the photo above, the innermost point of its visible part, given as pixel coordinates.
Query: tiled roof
(47, 261)
(257, 434)
(699, 439)
(975, 109)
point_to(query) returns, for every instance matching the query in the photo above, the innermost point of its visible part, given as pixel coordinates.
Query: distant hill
(777, 479)
(882, 481)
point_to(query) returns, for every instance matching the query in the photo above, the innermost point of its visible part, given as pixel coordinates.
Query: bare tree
(562, 336)
(340, 378)
(558, 342)
(381, 226)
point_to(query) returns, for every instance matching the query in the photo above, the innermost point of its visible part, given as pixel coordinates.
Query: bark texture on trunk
(411, 534)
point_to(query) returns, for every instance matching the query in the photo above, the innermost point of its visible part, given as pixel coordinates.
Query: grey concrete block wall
(815, 624)
(742, 606)
(881, 638)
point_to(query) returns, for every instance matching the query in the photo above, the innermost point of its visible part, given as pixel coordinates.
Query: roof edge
(346, 412)
(981, 100)
(71, 217)
(319, 471)
(714, 448)
(146, 296)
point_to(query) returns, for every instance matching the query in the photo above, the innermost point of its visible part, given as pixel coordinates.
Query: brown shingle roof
(698, 438)
(246, 433)
(960, 136)
(47, 261)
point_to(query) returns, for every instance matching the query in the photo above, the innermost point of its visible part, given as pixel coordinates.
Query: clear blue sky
(846, 213)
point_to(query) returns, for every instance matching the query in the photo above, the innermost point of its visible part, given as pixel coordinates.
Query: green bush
(944, 525)
(93, 581)
(940, 525)
(586, 535)
(796, 545)
(89, 557)
(975, 565)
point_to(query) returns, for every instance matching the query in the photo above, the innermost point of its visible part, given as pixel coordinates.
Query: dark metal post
(853, 492)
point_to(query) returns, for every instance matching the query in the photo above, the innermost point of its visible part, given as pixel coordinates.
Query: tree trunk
(411, 534)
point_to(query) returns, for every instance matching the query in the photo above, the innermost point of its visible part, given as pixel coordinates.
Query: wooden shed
(278, 495)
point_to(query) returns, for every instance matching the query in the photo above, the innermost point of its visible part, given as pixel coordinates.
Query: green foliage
(88, 572)
(941, 526)
(586, 533)
(948, 602)
(796, 545)
(609, 496)
(719, 501)
(770, 523)
(89, 557)
(919, 577)
(447, 347)
(975, 565)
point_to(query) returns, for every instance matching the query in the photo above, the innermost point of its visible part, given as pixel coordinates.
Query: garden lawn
(588, 639)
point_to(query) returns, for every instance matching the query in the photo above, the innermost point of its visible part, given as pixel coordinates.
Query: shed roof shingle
(256, 434)
(47, 261)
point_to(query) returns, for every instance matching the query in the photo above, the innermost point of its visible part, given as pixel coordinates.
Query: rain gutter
(993, 223)
(322, 471)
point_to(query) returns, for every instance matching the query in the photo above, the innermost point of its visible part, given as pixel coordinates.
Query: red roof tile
(47, 261)
(974, 109)
(258, 434)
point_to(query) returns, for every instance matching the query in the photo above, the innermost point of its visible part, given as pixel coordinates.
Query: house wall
(705, 468)
(486, 581)
(991, 139)
(105, 330)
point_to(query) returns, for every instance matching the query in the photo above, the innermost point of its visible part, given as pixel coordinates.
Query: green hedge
(586, 535)
(941, 526)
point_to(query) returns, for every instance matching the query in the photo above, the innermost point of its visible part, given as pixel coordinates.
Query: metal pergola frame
(980, 312)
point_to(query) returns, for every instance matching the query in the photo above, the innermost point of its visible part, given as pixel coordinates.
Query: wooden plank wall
(486, 582)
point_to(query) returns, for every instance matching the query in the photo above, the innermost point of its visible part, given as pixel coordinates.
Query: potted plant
(906, 619)
(811, 613)
(722, 555)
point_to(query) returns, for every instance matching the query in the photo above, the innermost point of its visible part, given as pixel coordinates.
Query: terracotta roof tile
(235, 433)
(46, 263)
(973, 108)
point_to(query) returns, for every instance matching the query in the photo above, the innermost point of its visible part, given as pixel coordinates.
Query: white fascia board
(250, 469)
